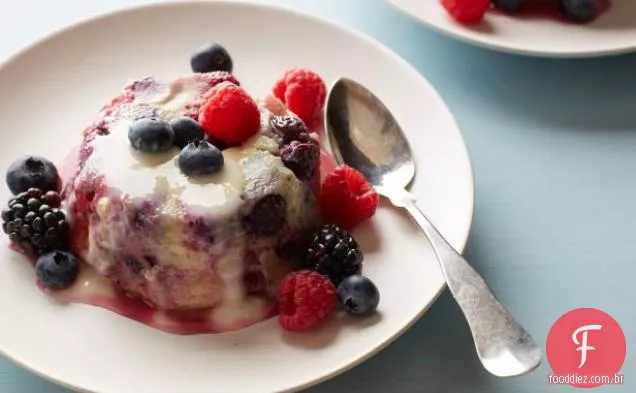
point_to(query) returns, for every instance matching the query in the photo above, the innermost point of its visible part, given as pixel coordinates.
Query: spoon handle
(504, 347)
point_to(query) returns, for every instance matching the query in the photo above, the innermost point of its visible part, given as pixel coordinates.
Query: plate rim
(463, 241)
(511, 49)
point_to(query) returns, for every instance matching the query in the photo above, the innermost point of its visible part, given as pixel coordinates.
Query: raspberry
(467, 11)
(303, 91)
(305, 299)
(229, 115)
(347, 198)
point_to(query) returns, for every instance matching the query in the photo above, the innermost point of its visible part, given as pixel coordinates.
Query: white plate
(50, 92)
(614, 32)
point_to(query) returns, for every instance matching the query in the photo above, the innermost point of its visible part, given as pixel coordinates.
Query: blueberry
(267, 216)
(200, 158)
(186, 130)
(358, 295)
(57, 269)
(151, 135)
(581, 11)
(508, 5)
(212, 57)
(32, 172)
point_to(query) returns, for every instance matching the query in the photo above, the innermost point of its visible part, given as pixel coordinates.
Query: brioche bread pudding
(194, 207)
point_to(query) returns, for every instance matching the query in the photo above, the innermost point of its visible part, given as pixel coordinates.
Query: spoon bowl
(361, 128)
(364, 135)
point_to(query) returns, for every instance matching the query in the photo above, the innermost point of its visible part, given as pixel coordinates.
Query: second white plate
(614, 32)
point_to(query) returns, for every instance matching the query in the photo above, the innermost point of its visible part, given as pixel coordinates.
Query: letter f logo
(583, 344)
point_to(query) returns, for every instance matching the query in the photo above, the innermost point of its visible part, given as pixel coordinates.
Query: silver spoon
(384, 156)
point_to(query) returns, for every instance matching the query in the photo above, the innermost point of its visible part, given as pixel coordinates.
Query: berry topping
(358, 295)
(347, 197)
(303, 91)
(229, 115)
(151, 135)
(467, 11)
(581, 11)
(200, 158)
(32, 172)
(57, 269)
(211, 57)
(34, 225)
(509, 6)
(186, 130)
(302, 158)
(305, 300)
(288, 128)
(266, 217)
(333, 252)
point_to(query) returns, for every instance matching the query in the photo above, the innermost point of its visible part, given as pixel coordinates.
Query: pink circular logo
(586, 348)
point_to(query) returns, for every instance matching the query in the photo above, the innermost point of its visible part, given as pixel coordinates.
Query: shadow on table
(593, 95)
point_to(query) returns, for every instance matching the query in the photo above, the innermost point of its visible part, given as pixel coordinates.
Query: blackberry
(302, 158)
(298, 150)
(288, 129)
(35, 223)
(334, 253)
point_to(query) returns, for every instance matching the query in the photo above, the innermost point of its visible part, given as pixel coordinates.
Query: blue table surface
(553, 146)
